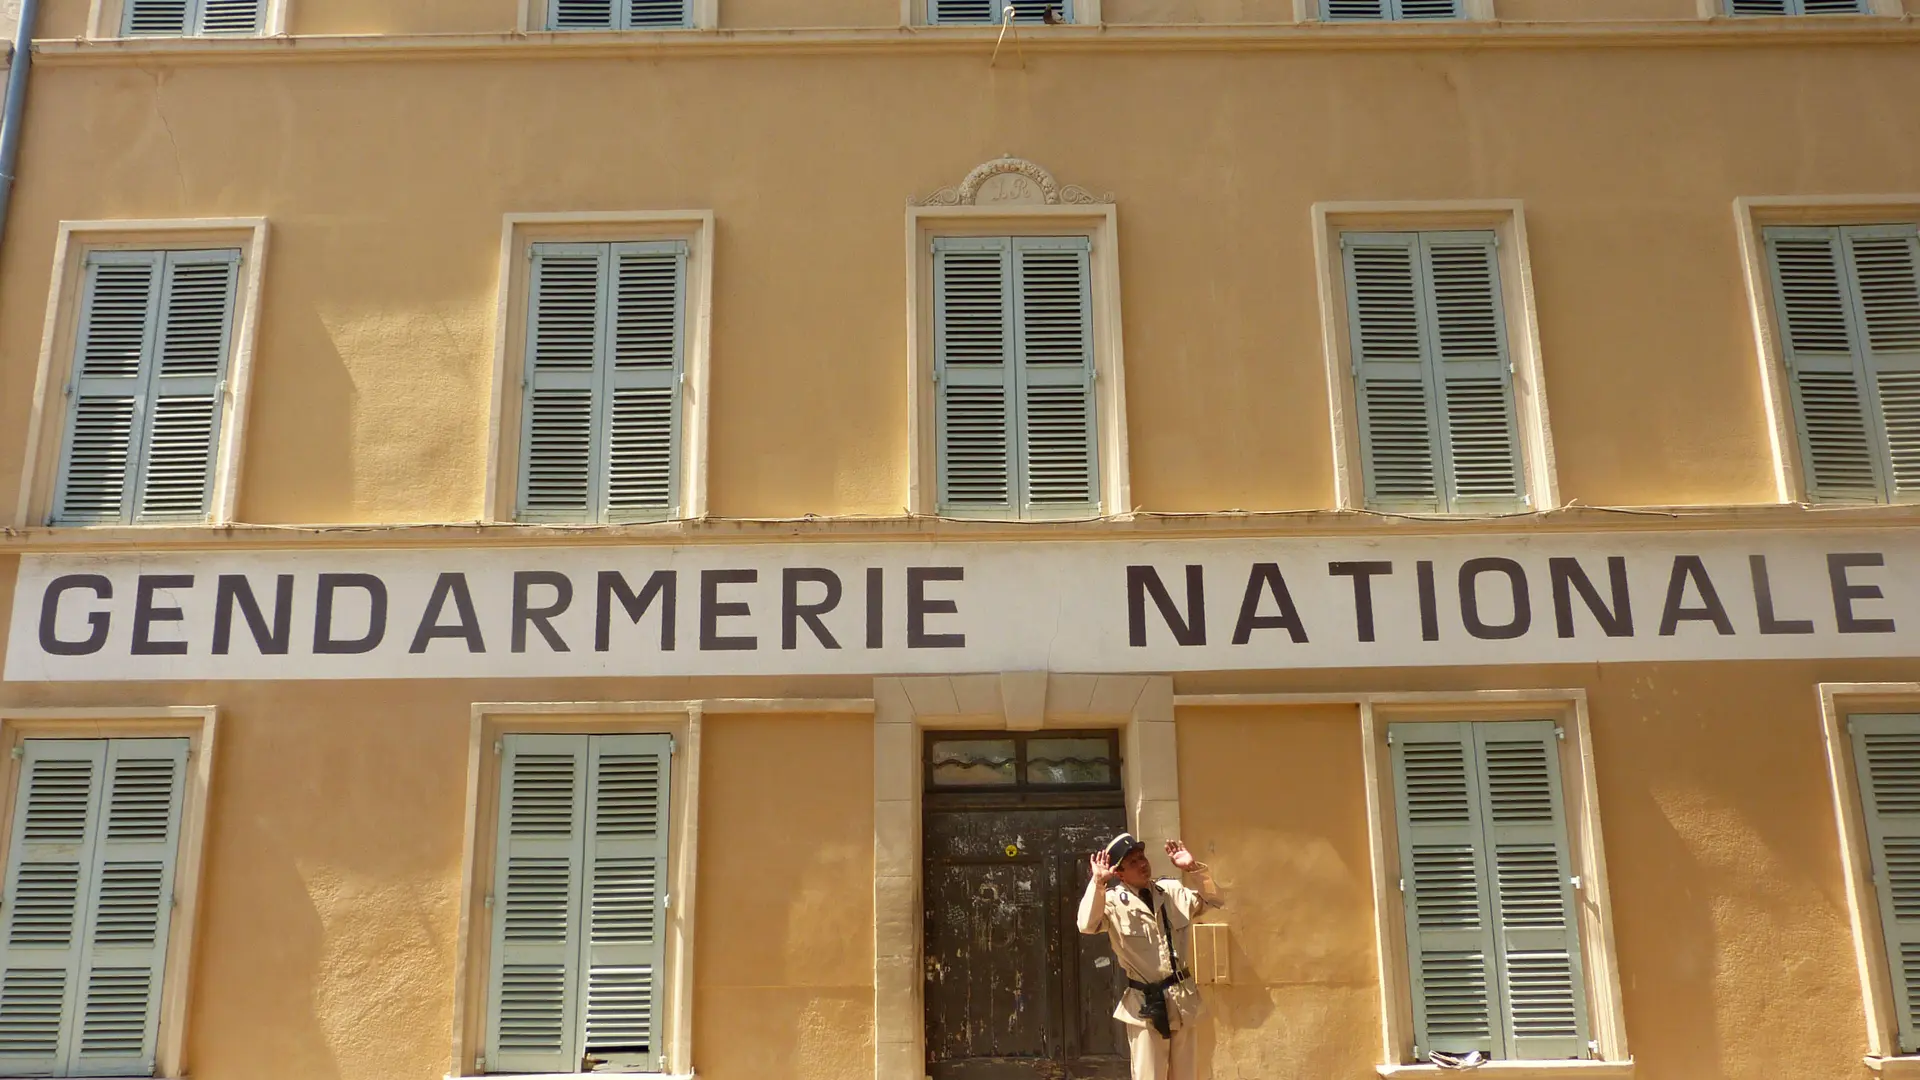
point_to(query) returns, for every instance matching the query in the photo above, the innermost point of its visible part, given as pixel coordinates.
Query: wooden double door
(1013, 990)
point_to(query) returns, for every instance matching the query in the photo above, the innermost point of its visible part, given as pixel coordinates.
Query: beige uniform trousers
(1155, 1058)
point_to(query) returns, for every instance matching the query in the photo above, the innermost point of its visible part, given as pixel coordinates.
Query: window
(964, 12)
(1016, 761)
(1796, 7)
(620, 14)
(1487, 879)
(605, 358)
(578, 905)
(1433, 373)
(1378, 10)
(1014, 376)
(90, 896)
(145, 396)
(192, 18)
(1848, 300)
(1886, 755)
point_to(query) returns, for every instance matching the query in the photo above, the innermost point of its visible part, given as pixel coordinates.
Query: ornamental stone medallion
(1011, 181)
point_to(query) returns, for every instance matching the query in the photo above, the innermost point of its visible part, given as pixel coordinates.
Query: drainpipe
(16, 104)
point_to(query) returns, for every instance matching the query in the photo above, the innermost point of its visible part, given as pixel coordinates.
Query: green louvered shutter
(1399, 421)
(182, 426)
(1884, 267)
(1376, 10)
(565, 339)
(1796, 7)
(1444, 882)
(620, 14)
(1542, 987)
(626, 880)
(963, 12)
(1467, 342)
(50, 870)
(643, 378)
(148, 379)
(180, 18)
(1824, 372)
(973, 373)
(533, 1001)
(1886, 753)
(119, 308)
(130, 909)
(1057, 467)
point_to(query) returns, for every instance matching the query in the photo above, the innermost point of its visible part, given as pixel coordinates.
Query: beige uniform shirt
(1140, 941)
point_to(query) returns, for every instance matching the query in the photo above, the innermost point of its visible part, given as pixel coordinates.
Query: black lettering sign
(1846, 592)
(1568, 577)
(919, 606)
(145, 614)
(876, 609)
(1429, 602)
(323, 640)
(1362, 574)
(793, 612)
(234, 590)
(1763, 602)
(1145, 580)
(712, 610)
(98, 622)
(1263, 581)
(1522, 620)
(540, 618)
(454, 586)
(1690, 568)
(613, 586)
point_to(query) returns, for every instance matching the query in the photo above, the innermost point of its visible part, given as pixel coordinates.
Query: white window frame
(1099, 223)
(1752, 215)
(519, 232)
(1838, 701)
(535, 18)
(108, 19)
(490, 723)
(1506, 218)
(915, 13)
(1606, 1015)
(47, 420)
(196, 724)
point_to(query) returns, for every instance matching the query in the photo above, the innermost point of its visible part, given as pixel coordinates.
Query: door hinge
(1403, 885)
(489, 902)
(499, 746)
(673, 745)
(480, 1063)
(1389, 738)
(1560, 733)
(666, 901)
(18, 753)
(1575, 882)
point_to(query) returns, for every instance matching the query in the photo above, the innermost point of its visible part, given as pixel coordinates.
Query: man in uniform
(1148, 923)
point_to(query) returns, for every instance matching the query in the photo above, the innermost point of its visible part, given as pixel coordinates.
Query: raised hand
(1180, 856)
(1102, 868)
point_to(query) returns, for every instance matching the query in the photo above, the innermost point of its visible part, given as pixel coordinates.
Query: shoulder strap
(1166, 924)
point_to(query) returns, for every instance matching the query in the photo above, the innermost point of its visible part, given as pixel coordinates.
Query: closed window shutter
(626, 881)
(50, 868)
(1542, 987)
(1884, 267)
(566, 331)
(658, 14)
(1374, 10)
(1444, 879)
(182, 426)
(533, 1003)
(1053, 340)
(1399, 424)
(950, 12)
(1886, 753)
(584, 14)
(647, 343)
(180, 18)
(974, 376)
(118, 320)
(1831, 366)
(130, 908)
(1468, 343)
(149, 372)
(1796, 7)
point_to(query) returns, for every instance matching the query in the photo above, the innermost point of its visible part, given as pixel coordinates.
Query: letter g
(50, 640)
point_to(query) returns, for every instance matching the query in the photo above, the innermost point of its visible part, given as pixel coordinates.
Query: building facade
(654, 536)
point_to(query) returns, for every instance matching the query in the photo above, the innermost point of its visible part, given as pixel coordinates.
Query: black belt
(1153, 1001)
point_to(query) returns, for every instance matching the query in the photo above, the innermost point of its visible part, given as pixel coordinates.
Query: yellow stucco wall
(375, 351)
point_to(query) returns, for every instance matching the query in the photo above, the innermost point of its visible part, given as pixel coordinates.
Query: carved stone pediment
(1011, 181)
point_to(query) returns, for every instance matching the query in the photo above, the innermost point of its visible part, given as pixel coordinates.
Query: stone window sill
(1895, 1068)
(1519, 1070)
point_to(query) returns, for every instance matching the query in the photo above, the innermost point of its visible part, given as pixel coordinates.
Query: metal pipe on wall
(17, 69)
